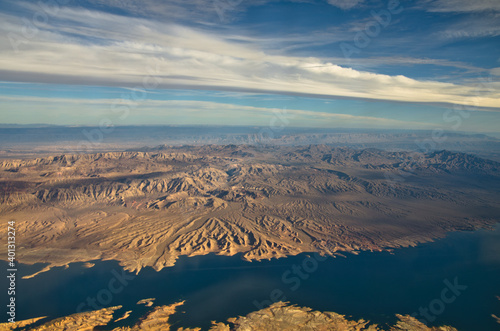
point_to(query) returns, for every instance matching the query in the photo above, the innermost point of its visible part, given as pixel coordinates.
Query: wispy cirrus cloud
(485, 26)
(98, 48)
(194, 11)
(345, 4)
(464, 6)
(194, 112)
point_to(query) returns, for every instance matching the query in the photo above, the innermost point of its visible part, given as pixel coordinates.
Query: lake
(452, 281)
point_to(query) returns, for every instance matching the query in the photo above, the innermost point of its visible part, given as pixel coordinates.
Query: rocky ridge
(148, 208)
(278, 316)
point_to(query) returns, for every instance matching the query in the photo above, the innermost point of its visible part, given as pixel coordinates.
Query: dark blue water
(373, 286)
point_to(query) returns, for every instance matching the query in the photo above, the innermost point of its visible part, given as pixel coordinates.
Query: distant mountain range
(19, 141)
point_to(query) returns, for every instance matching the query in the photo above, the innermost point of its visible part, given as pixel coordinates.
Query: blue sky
(423, 64)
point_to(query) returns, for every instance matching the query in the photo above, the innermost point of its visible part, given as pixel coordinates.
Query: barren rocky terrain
(146, 208)
(279, 316)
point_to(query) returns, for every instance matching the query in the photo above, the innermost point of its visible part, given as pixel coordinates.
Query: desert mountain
(146, 208)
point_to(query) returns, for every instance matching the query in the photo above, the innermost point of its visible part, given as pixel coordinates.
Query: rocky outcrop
(278, 316)
(86, 321)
